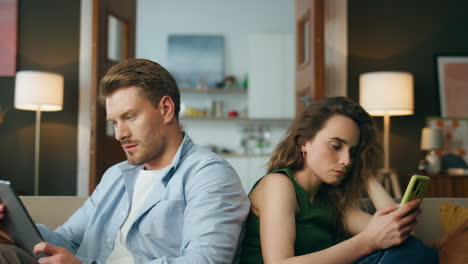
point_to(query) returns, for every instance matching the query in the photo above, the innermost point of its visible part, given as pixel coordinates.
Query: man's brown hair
(152, 79)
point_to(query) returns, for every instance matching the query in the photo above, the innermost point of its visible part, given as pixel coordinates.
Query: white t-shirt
(144, 183)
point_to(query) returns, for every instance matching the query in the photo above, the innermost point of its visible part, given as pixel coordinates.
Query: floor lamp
(387, 94)
(40, 92)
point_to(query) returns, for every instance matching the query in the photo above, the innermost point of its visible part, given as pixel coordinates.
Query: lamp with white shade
(386, 94)
(41, 92)
(431, 140)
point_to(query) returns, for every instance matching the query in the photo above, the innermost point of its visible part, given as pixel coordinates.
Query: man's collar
(184, 147)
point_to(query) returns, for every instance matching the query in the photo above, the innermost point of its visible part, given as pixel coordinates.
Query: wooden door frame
(93, 50)
(87, 84)
(312, 68)
(328, 45)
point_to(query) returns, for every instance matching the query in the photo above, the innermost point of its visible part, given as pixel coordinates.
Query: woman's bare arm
(357, 219)
(380, 198)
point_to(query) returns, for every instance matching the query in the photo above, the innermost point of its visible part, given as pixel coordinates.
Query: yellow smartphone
(416, 188)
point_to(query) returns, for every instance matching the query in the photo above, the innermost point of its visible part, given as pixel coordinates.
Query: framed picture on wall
(455, 140)
(8, 36)
(452, 75)
(196, 61)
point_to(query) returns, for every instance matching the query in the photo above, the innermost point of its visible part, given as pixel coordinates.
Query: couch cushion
(429, 227)
(452, 216)
(52, 211)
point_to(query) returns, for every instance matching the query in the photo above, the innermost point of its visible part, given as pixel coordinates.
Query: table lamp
(431, 139)
(41, 92)
(387, 94)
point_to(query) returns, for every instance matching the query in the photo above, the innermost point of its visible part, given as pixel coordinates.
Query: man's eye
(132, 117)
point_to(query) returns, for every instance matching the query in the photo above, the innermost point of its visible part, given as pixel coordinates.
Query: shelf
(184, 118)
(214, 90)
(213, 118)
(238, 155)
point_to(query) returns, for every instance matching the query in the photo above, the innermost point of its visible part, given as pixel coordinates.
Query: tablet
(17, 221)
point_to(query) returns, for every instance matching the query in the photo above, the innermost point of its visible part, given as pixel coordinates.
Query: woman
(302, 210)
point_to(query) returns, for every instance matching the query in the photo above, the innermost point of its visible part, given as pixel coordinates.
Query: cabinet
(250, 168)
(271, 76)
(443, 185)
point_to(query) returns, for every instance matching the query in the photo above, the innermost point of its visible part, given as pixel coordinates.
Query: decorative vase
(434, 161)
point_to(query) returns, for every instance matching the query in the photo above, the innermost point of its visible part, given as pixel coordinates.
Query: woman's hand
(391, 226)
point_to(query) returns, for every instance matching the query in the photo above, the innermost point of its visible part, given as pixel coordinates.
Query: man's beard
(151, 149)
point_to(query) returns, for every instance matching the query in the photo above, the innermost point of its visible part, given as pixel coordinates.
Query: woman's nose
(345, 158)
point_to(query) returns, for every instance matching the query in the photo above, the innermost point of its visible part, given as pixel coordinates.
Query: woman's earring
(303, 154)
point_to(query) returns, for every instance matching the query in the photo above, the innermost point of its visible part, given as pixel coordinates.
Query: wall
(235, 20)
(405, 36)
(48, 40)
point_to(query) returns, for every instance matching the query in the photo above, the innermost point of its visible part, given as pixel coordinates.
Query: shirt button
(109, 240)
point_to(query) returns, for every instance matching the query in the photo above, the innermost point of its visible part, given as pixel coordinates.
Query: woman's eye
(336, 147)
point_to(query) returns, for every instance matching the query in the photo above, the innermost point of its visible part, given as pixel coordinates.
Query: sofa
(51, 211)
(55, 210)
(430, 226)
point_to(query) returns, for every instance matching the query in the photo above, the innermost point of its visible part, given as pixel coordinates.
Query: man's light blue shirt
(194, 215)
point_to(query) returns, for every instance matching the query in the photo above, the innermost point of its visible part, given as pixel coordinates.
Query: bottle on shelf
(217, 109)
(245, 82)
(249, 140)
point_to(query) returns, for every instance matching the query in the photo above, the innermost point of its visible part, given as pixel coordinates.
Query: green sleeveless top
(315, 225)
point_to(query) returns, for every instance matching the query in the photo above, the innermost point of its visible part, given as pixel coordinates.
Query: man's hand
(5, 238)
(58, 255)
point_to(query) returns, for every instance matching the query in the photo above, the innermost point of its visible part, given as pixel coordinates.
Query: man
(170, 202)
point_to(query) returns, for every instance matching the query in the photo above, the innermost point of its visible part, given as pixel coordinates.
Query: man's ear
(167, 108)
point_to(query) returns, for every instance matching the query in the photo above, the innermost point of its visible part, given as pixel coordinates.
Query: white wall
(235, 20)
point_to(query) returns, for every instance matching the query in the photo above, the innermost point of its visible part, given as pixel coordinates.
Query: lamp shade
(386, 93)
(431, 138)
(36, 90)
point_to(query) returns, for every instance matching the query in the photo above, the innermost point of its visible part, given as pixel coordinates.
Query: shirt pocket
(161, 229)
